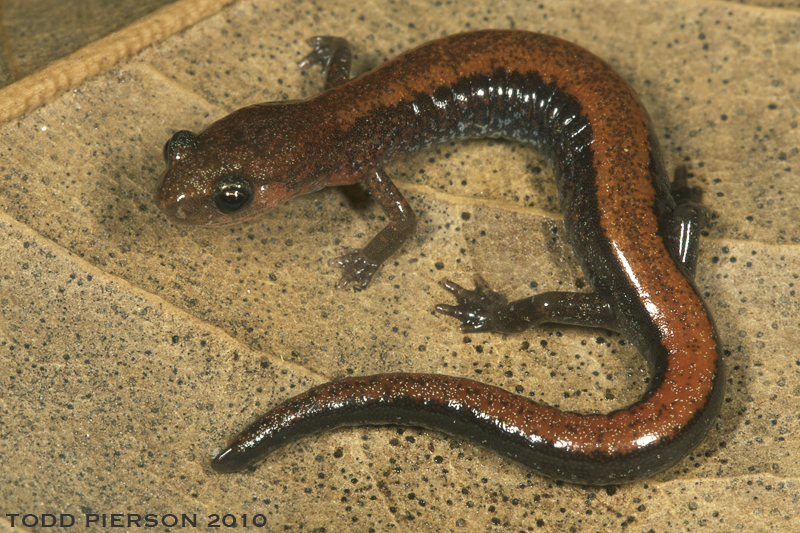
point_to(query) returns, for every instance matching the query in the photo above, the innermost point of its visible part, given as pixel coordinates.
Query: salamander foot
(358, 269)
(478, 310)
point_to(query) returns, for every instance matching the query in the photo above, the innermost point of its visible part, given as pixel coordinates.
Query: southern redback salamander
(636, 245)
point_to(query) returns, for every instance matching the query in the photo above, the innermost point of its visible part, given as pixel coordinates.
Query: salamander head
(236, 169)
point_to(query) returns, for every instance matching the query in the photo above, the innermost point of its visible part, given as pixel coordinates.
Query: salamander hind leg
(686, 221)
(483, 309)
(680, 190)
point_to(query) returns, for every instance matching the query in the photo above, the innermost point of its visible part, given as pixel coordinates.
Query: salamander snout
(171, 191)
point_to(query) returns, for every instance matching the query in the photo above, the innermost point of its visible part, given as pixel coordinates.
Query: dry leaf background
(34, 33)
(131, 349)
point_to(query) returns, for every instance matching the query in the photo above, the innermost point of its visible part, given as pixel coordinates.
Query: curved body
(636, 246)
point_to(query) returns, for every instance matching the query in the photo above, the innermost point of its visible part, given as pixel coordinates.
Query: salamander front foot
(481, 309)
(334, 55)
(358, 269)
(322, 48)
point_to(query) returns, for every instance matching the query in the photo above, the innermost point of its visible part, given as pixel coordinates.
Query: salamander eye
(235, 193)
(179, 145)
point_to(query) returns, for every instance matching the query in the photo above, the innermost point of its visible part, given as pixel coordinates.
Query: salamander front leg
(360, 265)
(334, 55)
(483, 309)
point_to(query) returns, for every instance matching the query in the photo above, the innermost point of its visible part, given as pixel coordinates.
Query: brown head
(241, 166)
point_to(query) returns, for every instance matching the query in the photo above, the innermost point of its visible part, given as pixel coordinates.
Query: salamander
(636, 244)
